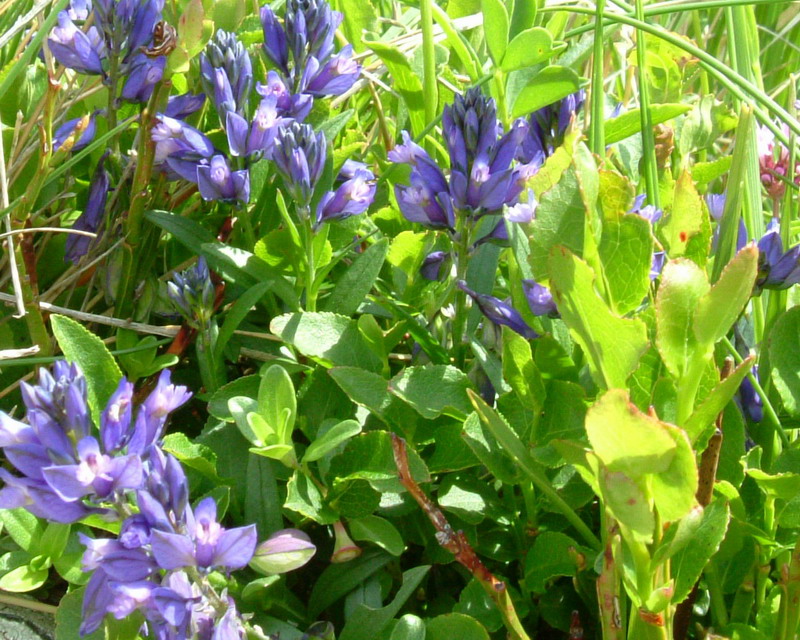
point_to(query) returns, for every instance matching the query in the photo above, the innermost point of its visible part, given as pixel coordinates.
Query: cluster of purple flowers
(192, 293)
(306, 66)
(121, 30)
(158, 562)
(300, 156)
(489, 169)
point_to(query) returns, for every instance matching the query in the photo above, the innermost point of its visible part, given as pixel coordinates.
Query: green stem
(719, 614)
(462, 240)
(311, 266)
(135, 220)
(500, 94)
(648, 141)
(597, 128)
(428, 61)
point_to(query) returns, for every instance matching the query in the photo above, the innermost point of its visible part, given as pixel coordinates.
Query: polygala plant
(400, 320)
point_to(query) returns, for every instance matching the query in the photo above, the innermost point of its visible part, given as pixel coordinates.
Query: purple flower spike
(257, 138)
(207, 544)
(275, 40)
(152, 415)
(227, 73)
(75, 49)
(192, 293)
(180, 148)
(115, 421)
(299, 155)
(499, 312)
(420, 204)
(92, 216)
(217, 182)
(352, 197)
(144, 74)
(539, 298)
(69, 130)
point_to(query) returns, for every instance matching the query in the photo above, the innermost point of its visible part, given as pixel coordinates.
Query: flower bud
(345, 549)
(284, 551)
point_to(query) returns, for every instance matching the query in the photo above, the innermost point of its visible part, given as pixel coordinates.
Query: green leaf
(353, 498)
(548, 86)
(54, 540)
(455, 625)
(191, 454)
(406, 82)
(69, 618)
(334, 125)
(452, 452)
(369, 456)
(553, 554)
(87, 351)
(359, 16)
(304, 497)
(338, 580)
(626, 439)
(688, 564)
(379, 531)
(686, 231)
(674, 488)
(521, 372)
(683, 285)
(613, 345)
(627, 502)
(495, 28)
(228, 14)
(529, 48)
(409, 627)
(701, 422)
(433, 390)
(331, 439)
(237, 313)
(560, 219)
(23, 579)
(626, 251)
(352, 287)
(718, 309)
(630, 122)
(246, 386)
(329, 338)
(366, 623)
(784, 356)
(486, 448)
(779, 485)
(262, 502)
(372, 392)
(24, 528)
(277, 402)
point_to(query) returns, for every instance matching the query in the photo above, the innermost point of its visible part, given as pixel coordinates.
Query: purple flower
(284, 551)
(352, 197)
(184, 105)
(657, 264)
(259, 137)
(296, 106)
(92, 216)
(274, 40)
(540, 299)
(75, 49)
(299, 155)
(774, 159)
(434, 266)
(206, 543)
(334, 78)
(776, 269)
(499, 312)
(227, 73)
(648, 212)
(192, 293)
(143, 75)
(418, 203)
(180, 148)
(84, 127)
(547, 127)
(217, 182)
(749, 400)
(152, 415)
(116, 418)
